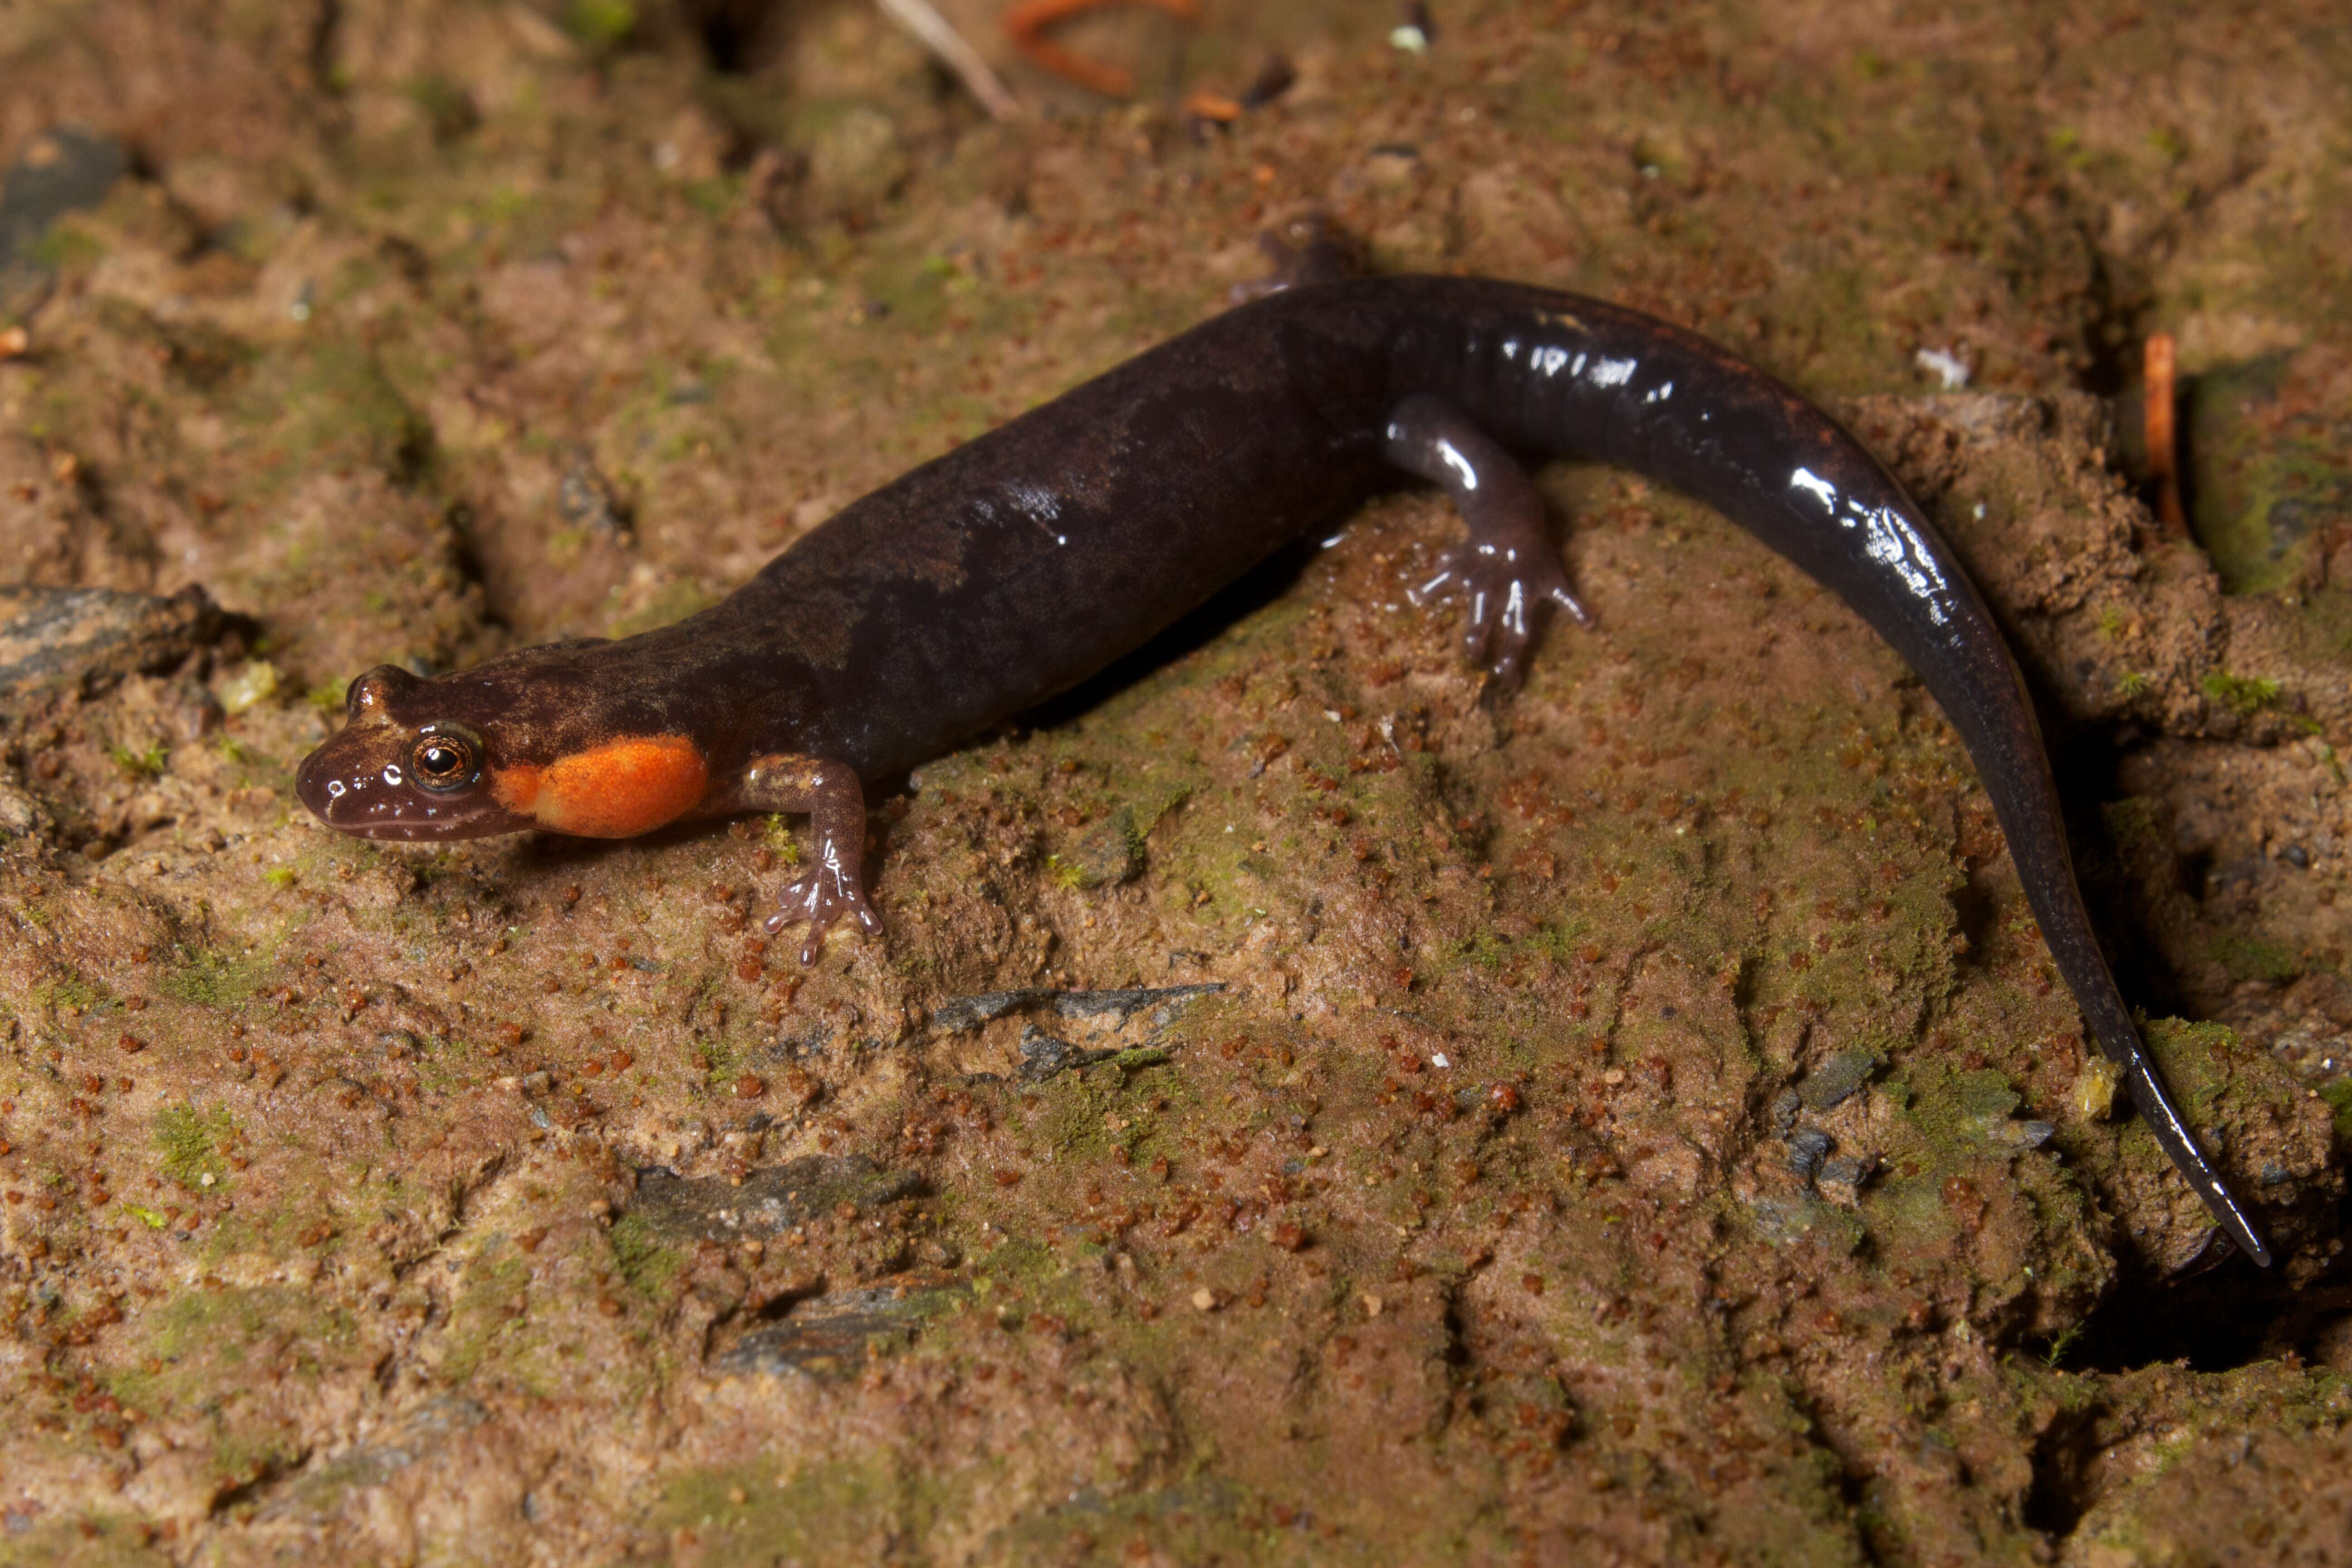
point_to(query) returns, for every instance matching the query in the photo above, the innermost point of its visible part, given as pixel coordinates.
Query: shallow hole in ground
(737, 36)
(2231, 1315)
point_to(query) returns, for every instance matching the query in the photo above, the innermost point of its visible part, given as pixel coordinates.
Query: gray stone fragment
(1835, 1080)
(971, 1011)
(826, 1336)
(20, 814)
(1109, 853)
(1841, 1181)
(60, 171)
(326, 1491)
(585, 498)
(1128, 1003)
(1044, 1057)
(55, 639)
(770, 1200)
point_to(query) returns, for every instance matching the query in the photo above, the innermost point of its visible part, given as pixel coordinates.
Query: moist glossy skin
(1014, 567)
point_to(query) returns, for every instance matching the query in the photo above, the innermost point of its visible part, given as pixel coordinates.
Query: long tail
(1557, 373)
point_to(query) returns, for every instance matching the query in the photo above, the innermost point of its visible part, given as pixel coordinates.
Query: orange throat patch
(617, 790)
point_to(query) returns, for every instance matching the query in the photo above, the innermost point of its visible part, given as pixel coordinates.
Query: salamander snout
(388, 775)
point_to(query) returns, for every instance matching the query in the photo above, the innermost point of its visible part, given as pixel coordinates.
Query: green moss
(497, 1277)
(71, 992)
(644, 1261)
(209, 1347)
(2338, 1093)
(2263, 492)
(65, 248)
(210, 979)
(2197, 1062)
(2240, 694)
(601, 24)
(192, 1141)
(2250, 957)
(140, 761)
(1984, 1095)
(333, 405)
(1482, 949)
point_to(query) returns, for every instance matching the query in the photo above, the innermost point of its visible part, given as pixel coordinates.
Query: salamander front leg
(834, 885)
(1507, 569)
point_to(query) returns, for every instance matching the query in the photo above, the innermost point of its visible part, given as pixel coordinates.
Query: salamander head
(402, 768)
(470, 754)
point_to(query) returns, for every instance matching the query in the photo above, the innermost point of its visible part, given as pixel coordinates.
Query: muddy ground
(1300, 1110)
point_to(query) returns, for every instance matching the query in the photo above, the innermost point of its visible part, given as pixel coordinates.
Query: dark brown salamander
(1016, 566)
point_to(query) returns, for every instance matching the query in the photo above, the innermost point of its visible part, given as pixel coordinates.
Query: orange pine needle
(2163, 439)
(1027, 21)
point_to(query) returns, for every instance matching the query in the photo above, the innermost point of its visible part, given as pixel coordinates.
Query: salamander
(1011, 568)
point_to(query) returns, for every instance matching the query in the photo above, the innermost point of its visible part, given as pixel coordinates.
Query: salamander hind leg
(1507, 572)
(834, 885)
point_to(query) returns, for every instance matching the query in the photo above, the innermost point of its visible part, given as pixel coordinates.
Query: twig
(2163, 441)
(1027, 21)
(918, 18)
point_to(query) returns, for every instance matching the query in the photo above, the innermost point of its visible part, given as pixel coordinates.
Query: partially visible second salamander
(1016, 566)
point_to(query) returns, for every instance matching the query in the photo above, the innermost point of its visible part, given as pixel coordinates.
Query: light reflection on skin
(374, 823)
(1459, 464)
(1042, 507)
(1548, 360)
(1889, 540)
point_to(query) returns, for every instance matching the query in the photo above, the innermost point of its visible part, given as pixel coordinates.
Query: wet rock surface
(1300, 1107)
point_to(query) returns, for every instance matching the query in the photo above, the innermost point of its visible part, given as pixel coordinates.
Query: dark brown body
(1016, 566)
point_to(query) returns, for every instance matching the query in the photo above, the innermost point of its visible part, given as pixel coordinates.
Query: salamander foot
(834, 885)
(1507, 572)
(1507, 594)
(821, 896)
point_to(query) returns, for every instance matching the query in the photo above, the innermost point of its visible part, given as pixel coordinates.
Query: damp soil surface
(1300, 1108)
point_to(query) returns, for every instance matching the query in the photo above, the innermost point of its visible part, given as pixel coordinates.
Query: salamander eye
(445, 760)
